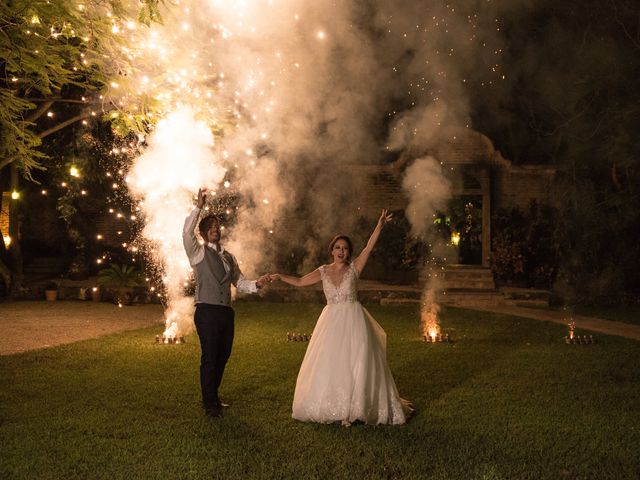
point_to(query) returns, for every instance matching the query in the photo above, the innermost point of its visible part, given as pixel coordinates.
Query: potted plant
(121, 279)
(51, 291)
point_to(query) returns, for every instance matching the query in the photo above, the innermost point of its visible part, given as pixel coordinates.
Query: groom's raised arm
(189, 239)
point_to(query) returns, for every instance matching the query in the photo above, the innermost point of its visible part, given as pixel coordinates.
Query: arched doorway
(469, 212)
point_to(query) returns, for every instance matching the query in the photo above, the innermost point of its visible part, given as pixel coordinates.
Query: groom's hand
(201, 197)
(263, 280)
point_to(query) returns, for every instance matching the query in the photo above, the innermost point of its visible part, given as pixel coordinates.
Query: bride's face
(340, 251)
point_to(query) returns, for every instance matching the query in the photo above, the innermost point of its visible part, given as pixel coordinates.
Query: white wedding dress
(344, 376)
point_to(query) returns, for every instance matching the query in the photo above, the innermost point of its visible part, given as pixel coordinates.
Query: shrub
(120, 276)
(525, 249)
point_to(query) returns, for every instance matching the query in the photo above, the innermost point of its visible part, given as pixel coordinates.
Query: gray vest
(213, 283)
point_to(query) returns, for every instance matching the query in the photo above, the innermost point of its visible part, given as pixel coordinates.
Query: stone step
(468, 277)
(399, 301)
(469, 284)
(473, 297)
(476, 275)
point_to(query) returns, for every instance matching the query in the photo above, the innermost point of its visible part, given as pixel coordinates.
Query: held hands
(263, 280)
(274, 277)
(385, 217)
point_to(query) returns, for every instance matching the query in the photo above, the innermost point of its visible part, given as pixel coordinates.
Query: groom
(215, 271)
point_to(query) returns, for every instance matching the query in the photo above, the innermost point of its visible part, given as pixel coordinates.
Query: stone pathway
(30, 325)
(593, 324)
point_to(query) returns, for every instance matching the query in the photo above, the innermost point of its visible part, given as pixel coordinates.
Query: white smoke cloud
(298, 93)
(428, 191)
(179, 160)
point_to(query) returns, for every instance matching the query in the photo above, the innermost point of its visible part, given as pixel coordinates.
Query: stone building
(475, 169)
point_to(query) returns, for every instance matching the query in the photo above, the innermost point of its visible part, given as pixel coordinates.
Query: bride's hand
(385, 217)
(274, 277)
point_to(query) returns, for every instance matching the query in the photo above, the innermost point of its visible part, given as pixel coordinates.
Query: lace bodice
(346, 291)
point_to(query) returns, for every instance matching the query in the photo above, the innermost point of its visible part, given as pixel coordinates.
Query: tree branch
(568, 121)
(40, 111)
(8, 161)
(63, 100)
(64, 124)
(624, 27)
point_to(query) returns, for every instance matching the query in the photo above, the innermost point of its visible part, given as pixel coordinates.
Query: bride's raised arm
(361, 261)
(308, 279)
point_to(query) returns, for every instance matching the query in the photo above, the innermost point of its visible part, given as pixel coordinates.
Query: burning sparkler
(429, 319)
(430, 322)
(573, 339)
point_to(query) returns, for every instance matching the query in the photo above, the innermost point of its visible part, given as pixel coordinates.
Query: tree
(61, 52)
(571, 101)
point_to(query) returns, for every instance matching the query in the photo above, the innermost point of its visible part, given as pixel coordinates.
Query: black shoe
(214, 412)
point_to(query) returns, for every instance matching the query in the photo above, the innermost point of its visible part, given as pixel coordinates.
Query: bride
(344, 376)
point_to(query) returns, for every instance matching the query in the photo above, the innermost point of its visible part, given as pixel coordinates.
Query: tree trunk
(15, 251)
(5, 274)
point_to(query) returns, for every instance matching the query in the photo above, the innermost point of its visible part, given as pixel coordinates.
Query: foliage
(525, 247)
(48, 50)
(397, 249)
(120, 276)
(584, 120)
(464, 217)
(51, 286)
(486, 406)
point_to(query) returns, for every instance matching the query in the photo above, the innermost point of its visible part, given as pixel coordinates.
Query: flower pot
(123, 296)
(51, 295)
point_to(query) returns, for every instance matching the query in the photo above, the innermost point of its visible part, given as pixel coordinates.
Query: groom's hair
(206, 223)
(341, 237)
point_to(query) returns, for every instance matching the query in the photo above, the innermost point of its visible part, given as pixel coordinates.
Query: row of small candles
(169, 340)
(573, 339)
(298, 337)
(437, 338)
(580, 340)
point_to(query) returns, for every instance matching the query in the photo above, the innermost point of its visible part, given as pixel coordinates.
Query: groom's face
(210, 229)
(213, 233)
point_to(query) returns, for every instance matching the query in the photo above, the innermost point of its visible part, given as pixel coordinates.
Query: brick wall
(4, 213)
(519, 185)
(383, 190)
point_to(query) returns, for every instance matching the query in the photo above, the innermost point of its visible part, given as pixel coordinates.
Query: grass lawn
(507, 400)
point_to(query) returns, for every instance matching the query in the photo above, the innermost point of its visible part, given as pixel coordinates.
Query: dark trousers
(214, 324)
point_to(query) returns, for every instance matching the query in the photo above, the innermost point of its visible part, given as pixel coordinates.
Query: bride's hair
(346, 239)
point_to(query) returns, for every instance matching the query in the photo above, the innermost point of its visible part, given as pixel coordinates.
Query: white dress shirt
(195, 252)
